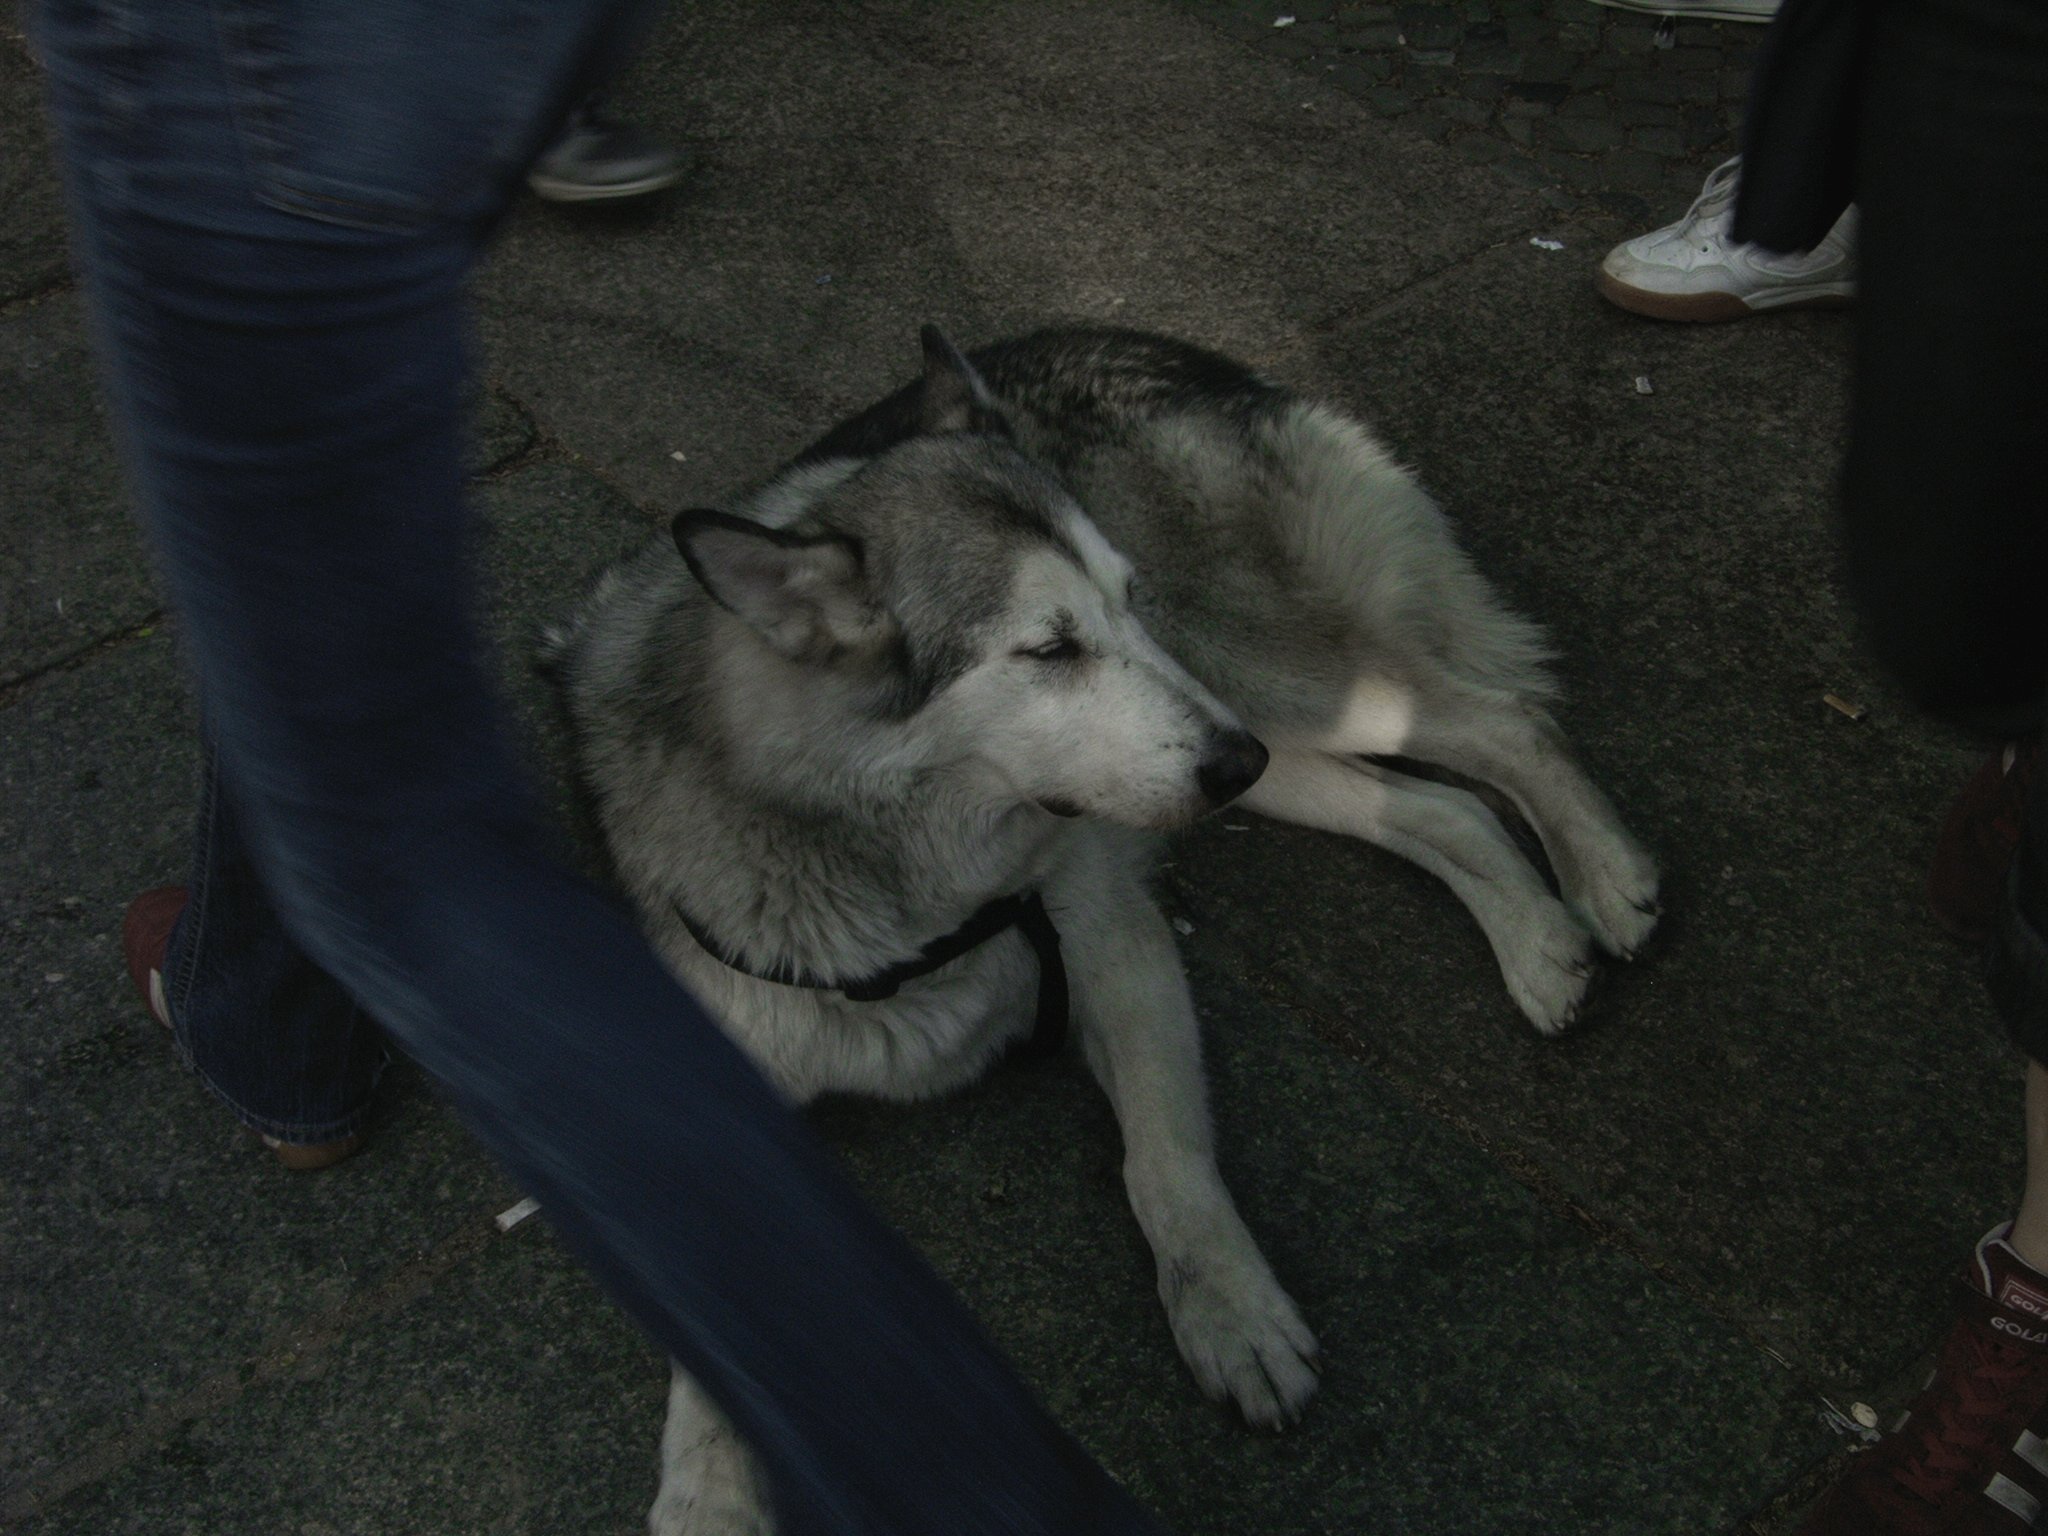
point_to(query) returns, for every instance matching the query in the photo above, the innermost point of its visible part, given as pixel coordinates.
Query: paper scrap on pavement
(507, 1220)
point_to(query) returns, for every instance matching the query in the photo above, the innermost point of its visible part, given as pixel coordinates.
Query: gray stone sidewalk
(1599, 110)
(1601, 1285)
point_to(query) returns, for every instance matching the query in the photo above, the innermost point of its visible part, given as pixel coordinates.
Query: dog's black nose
(1232, 767)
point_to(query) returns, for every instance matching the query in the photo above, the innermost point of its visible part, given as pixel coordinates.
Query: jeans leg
(2019, 950)
(274, 1036)
(290, 392)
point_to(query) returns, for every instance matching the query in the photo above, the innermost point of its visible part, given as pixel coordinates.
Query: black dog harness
(1024, 911)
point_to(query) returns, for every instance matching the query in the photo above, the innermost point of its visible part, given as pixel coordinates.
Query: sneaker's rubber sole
(1726, 10)
(1705, 308)
(302, 1157)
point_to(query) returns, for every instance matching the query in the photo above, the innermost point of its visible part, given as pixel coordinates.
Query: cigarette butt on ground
(507, 1220)
(1841, 705)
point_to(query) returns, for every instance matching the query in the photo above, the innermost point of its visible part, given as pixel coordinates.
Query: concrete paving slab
(1450, 1304)
(510, 1398)
(1801, 1061)
(162, 1247)
(32, 249)
(1584, 103)
(72, 570)
(989, 167)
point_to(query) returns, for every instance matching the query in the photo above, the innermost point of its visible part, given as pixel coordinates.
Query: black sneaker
(596, 159)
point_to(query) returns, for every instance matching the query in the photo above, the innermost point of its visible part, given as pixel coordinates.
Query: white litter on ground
(1546, 245)
(1283, 21)
(1850, 1426)
(507, 1220)
(1183, 927)
(1643, 385)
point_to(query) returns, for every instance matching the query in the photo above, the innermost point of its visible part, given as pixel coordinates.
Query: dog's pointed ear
(807, 596)
(956, 398)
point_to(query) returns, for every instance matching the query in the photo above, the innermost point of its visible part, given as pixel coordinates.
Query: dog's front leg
(1238, 1330)
(709, 1484)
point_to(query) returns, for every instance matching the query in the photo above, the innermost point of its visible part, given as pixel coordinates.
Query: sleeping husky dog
(856, 736)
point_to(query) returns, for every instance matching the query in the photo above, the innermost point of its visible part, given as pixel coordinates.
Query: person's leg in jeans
(275, 211)
(264, 1027)
(1947, 542)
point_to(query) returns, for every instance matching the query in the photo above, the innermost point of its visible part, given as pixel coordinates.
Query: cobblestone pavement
(1607, 111)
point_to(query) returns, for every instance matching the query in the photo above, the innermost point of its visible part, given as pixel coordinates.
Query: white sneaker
(1705, 10)
(1691, 270)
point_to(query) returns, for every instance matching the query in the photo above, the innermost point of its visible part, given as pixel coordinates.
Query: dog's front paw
(1617, 899)
(1240, 1334)
(1548, 964)
(706, 1500)
(708, 1483)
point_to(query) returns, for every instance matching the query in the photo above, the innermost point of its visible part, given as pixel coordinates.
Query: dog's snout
(1232, 766)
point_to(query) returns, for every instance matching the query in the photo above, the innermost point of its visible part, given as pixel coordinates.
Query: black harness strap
(1024, 911)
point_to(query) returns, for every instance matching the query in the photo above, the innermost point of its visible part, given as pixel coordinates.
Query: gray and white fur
(1001, 632)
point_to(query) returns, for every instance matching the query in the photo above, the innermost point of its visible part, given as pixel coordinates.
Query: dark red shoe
(145, 940)
(1966, 884)
(1968, 1458)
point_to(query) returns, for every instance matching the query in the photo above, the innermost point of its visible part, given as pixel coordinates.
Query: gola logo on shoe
(2024, 1335)
(2017, 1296)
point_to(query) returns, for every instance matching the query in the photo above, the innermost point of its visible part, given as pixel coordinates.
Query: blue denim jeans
(276, 206)
(271, 1033)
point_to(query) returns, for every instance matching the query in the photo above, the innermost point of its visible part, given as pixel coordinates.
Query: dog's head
(946, 604)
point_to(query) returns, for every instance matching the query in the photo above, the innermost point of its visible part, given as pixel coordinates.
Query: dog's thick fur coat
(998, 633)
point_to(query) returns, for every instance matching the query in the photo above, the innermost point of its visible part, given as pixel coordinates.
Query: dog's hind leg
(1237, 1329)
(709, 1484)
(1608, 880)
(1545, 955)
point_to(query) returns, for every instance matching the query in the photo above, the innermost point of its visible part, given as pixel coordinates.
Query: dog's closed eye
(1061, 648)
